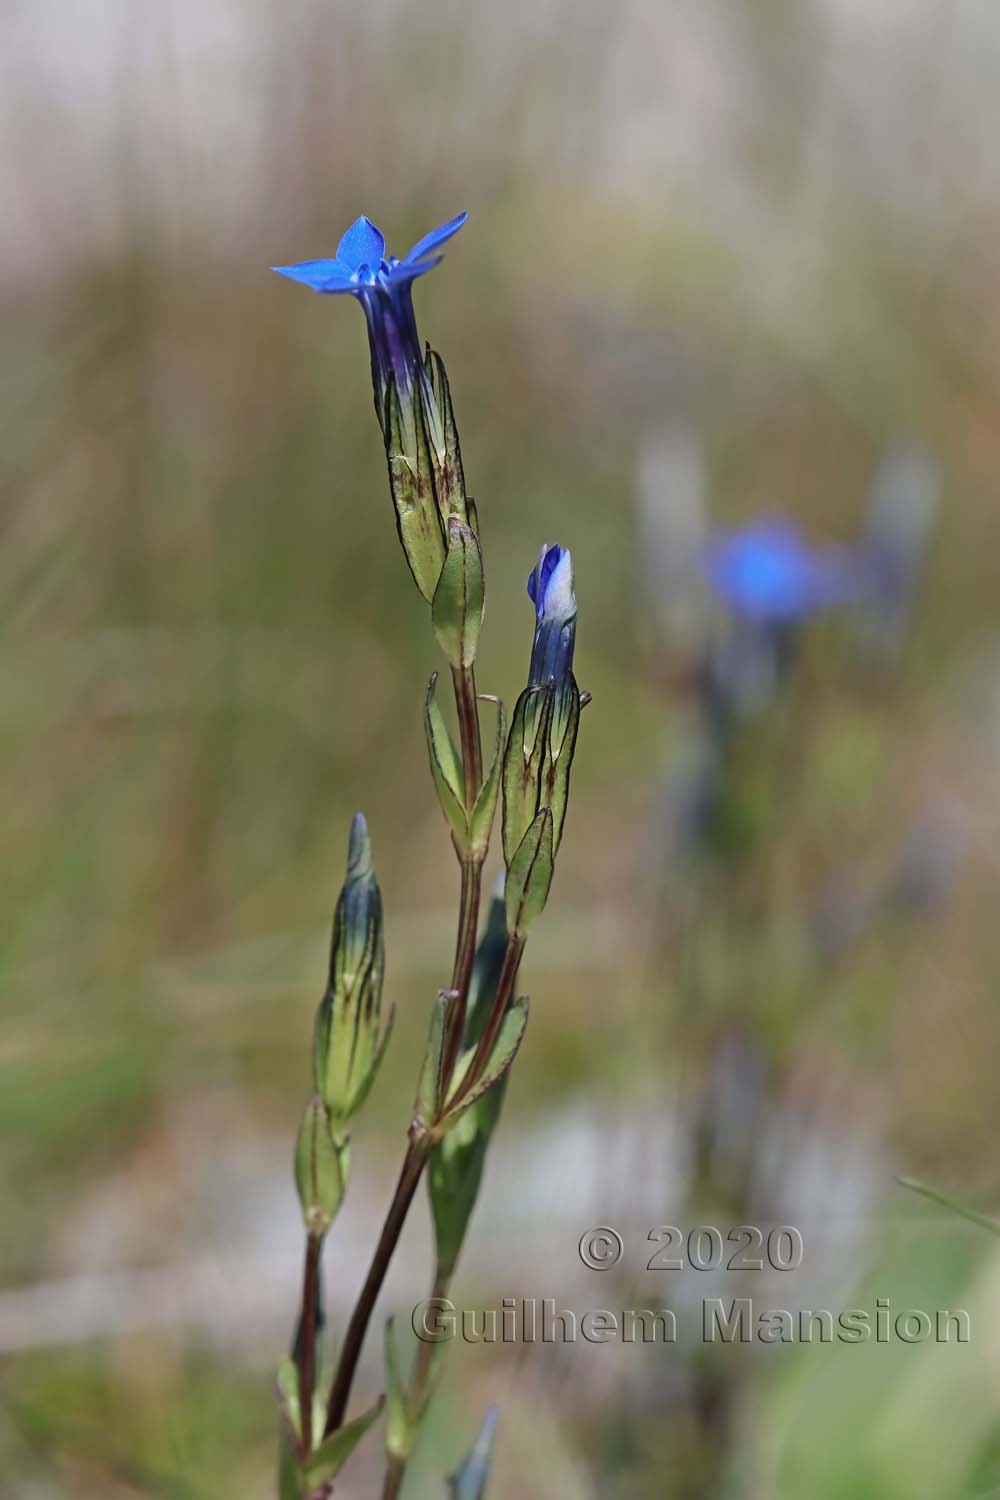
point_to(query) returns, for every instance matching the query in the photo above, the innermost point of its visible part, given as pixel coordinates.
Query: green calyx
(426, 478)
(538, 760)
(459, 598)
(321, 1168)
(470, 826)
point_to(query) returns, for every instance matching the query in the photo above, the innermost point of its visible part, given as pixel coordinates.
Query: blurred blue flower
(383, 285)
(550, 589)
(768, 574)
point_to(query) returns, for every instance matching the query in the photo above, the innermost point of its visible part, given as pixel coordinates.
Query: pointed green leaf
(288, 1394)
(972, 1214)
(529, 875)
(289, 1485)
(483, 813)
(430, 1070)
(446, 768)
(457, 608)
(329, 1458)
(455, 1166)
(523, 765)
(555, 780)
(421, 1400)
(505, 1049)
(450, 475)
(469, 1480)
(398, 1433)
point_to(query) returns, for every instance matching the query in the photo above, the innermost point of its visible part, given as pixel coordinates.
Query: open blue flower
(550, 588)
(383, 285)
(768, 574)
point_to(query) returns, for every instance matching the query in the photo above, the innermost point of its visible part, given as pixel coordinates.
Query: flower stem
(395, 1471)
(307, 1340)
(464, 679)
(409, 1177)
(465, 953)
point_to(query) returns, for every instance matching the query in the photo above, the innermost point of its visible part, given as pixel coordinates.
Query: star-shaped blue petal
(434, 239)
(361, 245)
(382, 283)
(361, 261)
(321, 275)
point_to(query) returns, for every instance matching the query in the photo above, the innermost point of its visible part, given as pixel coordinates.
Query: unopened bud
(348, 1046)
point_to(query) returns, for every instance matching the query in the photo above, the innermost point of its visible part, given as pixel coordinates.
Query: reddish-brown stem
(465, 953)
(413, 1166)
(467, 709)
(395, 1472)
(307, 1340)
(464, 679)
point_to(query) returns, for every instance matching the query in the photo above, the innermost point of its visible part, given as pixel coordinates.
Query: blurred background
(723, 262)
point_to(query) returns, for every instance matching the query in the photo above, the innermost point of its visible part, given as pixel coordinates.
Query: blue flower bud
(544, 726)
(550, 589)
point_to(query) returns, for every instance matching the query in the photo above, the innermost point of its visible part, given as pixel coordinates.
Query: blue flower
(383, 285)
(550, 589)
(768, 574)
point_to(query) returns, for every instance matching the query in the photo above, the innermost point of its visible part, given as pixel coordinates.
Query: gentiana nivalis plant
(477, 1022)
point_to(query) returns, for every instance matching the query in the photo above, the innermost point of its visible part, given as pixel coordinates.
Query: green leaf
(329, 1458)
(454, 1175)
(529, 875)
(482, 815)
(459, 599)
(934, 1196)
(469, 1480)
(289, 1485)
(320, 1168)
(505, 1049)
(446, 767)
(288, 1395)
(428, 1096)
(455, 1166)
(398, 1432)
